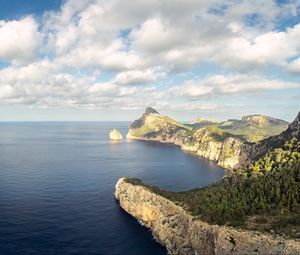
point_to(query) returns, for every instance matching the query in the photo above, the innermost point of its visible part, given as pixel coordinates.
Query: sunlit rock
(115, 135)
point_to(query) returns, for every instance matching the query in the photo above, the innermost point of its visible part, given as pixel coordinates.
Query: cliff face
(208, 142)
(181, 234)
(214, 145)
(230, 151)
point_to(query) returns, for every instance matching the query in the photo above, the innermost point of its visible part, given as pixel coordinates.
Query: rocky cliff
(182, 234)
(209, 142)
(213, 142)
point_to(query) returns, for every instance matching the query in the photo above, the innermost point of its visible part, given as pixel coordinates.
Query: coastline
(181, 233)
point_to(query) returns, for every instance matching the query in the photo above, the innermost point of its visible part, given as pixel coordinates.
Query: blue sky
(15, 9)
(108, 60)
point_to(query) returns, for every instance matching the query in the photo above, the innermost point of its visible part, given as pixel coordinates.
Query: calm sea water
(57, 183)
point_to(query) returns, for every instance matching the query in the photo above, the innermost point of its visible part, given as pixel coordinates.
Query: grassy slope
(157, 123)
(252, 132)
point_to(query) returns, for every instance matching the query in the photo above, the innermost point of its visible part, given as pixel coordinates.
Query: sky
(90, 60)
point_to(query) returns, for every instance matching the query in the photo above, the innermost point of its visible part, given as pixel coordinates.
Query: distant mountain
(252, 152)
(263, 120)
(202, 122)
(254, 128)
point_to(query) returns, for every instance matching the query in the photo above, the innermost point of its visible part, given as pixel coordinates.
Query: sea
(57, 182)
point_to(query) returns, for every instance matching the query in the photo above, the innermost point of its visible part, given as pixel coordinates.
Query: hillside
(265, 196)
(254, 128)
(151, 123)
(251, 128)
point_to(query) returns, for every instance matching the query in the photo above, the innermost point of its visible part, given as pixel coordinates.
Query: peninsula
(229, 143)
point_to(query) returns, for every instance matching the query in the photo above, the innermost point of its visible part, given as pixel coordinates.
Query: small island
(115, 135)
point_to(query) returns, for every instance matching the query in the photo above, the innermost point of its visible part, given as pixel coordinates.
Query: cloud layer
(130, 54)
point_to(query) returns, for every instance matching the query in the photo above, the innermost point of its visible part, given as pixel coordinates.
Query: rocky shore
(182, 234)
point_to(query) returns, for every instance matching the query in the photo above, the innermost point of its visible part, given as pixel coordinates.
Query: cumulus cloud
(139, 76)
(220, 85)
(155, 35)
(19, 41)
(265, 49)
(48, 84)
(118, 35)
(97, 54)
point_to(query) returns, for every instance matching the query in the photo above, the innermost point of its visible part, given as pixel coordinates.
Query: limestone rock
(182, 234)
(115, 135)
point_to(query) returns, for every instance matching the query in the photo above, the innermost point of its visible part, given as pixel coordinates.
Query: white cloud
(294, 66)
(139, 76)
(142, 42)
(7, 91)
(220, 85)
(112, 57)
(19, 41)
(47, 84)
(156, 35)
(178, 35)
(271, 48)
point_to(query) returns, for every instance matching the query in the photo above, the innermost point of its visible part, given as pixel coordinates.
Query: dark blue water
(57, 183)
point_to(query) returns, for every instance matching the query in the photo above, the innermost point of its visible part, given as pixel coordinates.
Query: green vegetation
(250, 128)
(254, 131)
(142, 131)
(174, 122)
(217, 133)
(265, 197)
(154, 124)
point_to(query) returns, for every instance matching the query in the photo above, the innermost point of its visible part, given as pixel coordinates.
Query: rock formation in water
(182, 234)
(229, 149)
(115, 135)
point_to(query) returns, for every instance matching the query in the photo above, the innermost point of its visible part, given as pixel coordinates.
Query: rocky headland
(200, 221)
(229, 143)
(183, 234)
